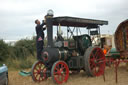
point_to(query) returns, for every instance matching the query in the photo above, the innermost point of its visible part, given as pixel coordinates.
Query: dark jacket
(40, 31)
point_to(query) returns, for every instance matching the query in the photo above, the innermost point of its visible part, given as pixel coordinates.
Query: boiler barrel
(50, 55)
(121, 38)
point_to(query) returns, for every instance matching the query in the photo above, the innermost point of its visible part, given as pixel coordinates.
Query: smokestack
(49, 24)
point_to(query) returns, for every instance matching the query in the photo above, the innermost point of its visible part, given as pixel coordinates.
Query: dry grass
(76, 79)
(20, 63)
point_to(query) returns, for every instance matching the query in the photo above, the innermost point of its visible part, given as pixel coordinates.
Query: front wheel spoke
(43, 70)
(42, 78)
(39, 67)
(58, 66)
(36, 75)
(39, 78)
(35, 72)
(62, 69)
(62, 77)
(56, 73)
(62, 65)
(42, 66)
(36, 69)
(58, 77)
(57, 70)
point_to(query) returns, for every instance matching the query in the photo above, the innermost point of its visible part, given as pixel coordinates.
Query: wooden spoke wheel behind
(94, 61)
(38, 71)
(60, 72)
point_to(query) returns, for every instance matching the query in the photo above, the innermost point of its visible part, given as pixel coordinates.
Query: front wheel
(60, 72)
(38, 71)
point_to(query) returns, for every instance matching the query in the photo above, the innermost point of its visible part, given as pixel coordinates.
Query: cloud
(17, 16)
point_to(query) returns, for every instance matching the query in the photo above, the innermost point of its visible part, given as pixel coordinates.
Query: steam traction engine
(74, 53)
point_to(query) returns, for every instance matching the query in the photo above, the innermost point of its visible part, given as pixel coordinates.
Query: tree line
(21, 49)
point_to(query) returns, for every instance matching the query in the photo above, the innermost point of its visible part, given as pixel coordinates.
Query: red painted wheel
(94, 61)
(38, 71)
(60, 72)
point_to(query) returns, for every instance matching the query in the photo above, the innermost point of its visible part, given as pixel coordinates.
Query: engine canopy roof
(78, 22)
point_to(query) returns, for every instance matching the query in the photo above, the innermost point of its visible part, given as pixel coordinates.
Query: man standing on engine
(39, 38)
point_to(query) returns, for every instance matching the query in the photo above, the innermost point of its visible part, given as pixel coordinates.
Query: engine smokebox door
(50, 55)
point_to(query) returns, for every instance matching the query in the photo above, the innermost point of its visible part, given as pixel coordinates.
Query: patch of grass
(20, 63)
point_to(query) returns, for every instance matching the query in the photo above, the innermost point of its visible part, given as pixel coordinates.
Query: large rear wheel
(94, 61)
(60, 72)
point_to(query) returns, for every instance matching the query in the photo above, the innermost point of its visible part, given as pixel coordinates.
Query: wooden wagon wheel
(38, 71)
(60, 72)
(94, 61)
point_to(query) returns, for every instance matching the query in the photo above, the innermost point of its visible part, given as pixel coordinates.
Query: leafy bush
(25, 47)
(4, 51)
(18, 55)
(21, 55)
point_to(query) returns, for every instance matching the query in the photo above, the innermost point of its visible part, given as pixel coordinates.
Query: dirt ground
(76, 79)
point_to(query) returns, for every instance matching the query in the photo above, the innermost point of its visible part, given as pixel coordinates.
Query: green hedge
(21, 49)
(21, 55)
(4, 50)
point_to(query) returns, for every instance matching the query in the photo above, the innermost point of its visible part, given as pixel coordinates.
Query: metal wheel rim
(97, 62)
(93, 66)
(60, 72)
(37, 68)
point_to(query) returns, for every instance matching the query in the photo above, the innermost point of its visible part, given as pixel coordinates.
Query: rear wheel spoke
(92, 65)
(97, 52)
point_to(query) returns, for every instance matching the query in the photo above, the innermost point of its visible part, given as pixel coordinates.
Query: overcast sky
(17, 16)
